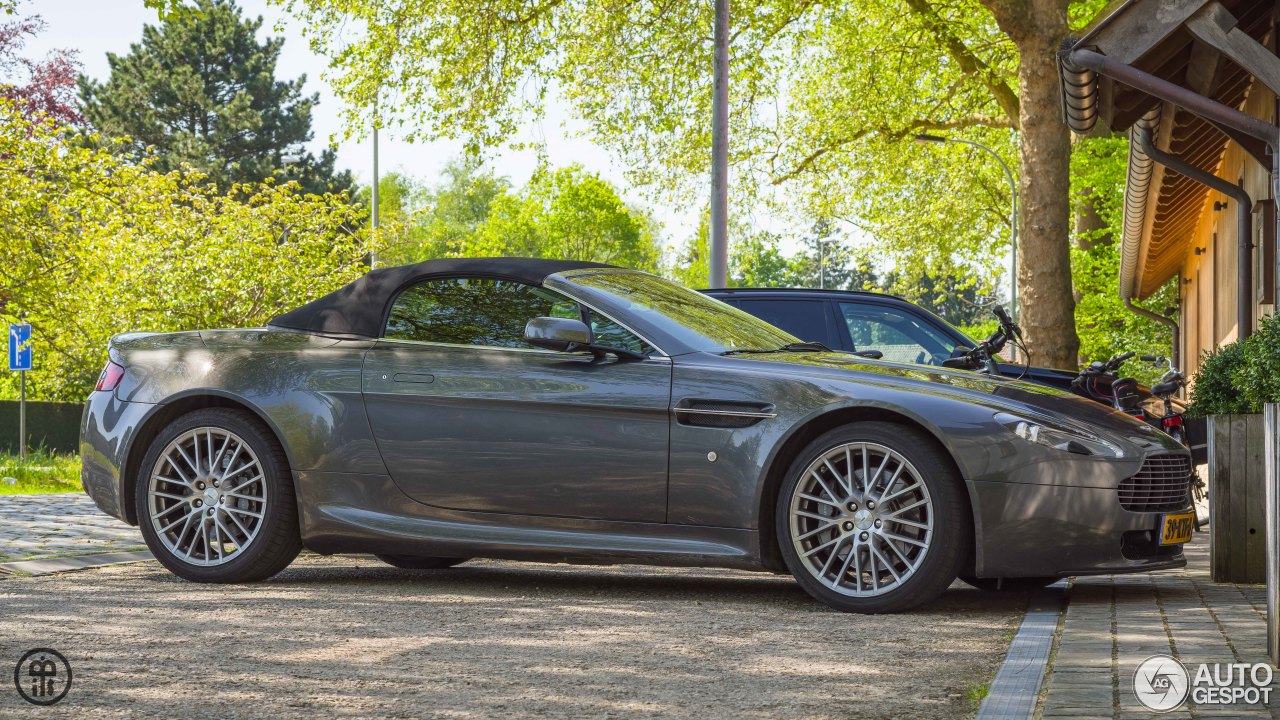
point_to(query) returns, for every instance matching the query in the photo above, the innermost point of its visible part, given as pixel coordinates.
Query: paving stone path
(38, 526)
(1115, 622)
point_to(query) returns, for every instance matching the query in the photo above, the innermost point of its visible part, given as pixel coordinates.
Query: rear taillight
(110, 377)
(1172, 421)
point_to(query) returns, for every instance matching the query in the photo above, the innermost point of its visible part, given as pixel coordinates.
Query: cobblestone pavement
(37, 526)
(1115, 622)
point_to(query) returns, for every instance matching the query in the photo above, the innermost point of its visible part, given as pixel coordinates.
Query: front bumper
(107, 430)
(1033, 530)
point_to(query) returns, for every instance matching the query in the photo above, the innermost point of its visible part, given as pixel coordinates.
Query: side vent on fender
(721, 413)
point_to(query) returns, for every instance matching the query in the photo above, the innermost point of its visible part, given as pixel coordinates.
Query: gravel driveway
(350, 637)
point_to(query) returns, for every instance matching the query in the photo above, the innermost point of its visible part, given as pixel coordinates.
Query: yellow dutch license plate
(1176, 528)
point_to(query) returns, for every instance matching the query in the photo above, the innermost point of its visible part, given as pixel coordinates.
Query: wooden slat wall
(1237, 531)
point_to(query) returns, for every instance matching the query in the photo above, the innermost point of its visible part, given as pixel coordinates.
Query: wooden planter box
(1237, 503)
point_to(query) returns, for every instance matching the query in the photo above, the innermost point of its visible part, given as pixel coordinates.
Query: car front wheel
(871, 519)
(215, 500)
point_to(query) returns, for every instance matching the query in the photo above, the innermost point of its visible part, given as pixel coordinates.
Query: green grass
(976, 693)
(43, 472)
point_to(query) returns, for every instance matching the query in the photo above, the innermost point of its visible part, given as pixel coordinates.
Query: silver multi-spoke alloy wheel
(861, 519)
(207, 496)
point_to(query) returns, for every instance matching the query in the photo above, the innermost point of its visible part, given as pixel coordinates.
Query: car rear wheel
(871, 519)
(1021, 584)
(413, 562)
(215, 500)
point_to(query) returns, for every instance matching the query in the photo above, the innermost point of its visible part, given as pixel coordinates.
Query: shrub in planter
(1237, 379)
(1214, 392)
(1258, 378)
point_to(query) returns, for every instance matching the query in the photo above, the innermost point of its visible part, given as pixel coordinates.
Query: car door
(809, 320)
(469, 417)
(899, 335)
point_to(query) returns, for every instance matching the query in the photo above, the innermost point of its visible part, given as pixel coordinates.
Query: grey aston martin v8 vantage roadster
(570, 411)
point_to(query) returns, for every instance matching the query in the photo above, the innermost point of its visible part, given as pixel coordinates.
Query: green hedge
(1237, 379)
(52, 425)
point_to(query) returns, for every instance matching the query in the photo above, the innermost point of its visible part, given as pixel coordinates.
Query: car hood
(1017, 396)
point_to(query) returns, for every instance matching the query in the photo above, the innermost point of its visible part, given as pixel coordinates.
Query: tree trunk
(1091, 229)
(1046, 302)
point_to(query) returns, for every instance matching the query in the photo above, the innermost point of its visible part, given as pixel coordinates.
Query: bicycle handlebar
(1115, 362)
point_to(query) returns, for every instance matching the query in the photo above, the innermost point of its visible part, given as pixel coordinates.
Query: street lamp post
(719, 231)
(373, 256)
(1013, 215)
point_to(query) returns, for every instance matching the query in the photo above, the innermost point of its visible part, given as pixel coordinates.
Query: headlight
(1059, 438)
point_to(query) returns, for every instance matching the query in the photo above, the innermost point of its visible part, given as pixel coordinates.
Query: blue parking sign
(20, 346)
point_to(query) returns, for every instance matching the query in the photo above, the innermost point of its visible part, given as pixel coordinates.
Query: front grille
(1162, 485)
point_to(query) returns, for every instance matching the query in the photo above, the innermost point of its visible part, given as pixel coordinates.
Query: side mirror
(559, 334)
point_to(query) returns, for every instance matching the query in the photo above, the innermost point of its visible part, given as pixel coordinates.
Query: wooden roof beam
(1128, 35)
(1214, 26)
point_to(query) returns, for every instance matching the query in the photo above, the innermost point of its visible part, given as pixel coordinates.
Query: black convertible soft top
(359, 308)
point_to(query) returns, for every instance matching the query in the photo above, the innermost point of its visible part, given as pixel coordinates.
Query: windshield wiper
(805, 347)
(789, 347)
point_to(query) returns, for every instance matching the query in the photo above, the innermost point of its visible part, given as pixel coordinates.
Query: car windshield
(698, 321)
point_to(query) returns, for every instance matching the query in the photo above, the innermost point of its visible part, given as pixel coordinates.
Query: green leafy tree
(1106, 326)
(200, 91)
(954, 294)
(567, 213)
(826, 98)
(458, 207)
(128, 248)
(756, 260)
(437, 220)
(827, 259)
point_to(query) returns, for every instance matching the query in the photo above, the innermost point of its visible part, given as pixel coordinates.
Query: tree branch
(969, 62)
(915, 126)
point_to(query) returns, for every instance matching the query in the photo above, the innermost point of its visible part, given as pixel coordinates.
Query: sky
(97, 27)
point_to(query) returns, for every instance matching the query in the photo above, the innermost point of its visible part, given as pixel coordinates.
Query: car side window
(899, 335)
(607, 333)
(484, 311)
(806, 319)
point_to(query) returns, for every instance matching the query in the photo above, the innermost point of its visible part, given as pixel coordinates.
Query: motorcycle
(1100, 381)
(1172, 421)
(1170, 383)
(983, 358)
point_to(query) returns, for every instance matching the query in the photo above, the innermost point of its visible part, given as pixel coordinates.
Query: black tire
(414, 562)
(1010, 585)
(951, 538)
(278, 540)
